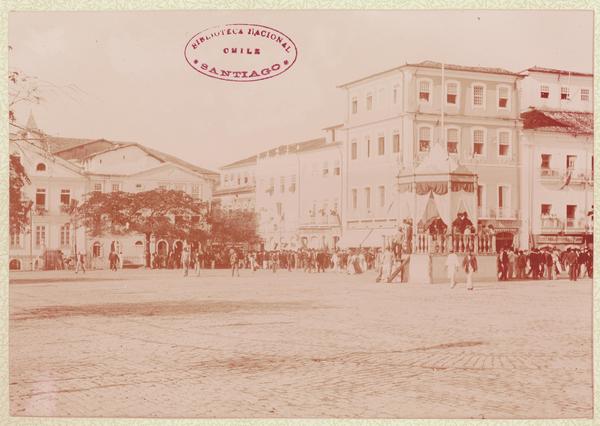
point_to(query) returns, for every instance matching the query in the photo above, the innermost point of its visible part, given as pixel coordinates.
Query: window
(279, 209)
(503, 199)
(395, 95)
(282, 184)
(354, 150)
(585, 95)
(546, 209)
(162, 186)
(354, 105)
(381, 145)
(503, 97)
(478, 142)
(368, 147)
(571, 161)
(116, 187)
(478, 95)
(382, 196)
(354, 199)
(571, 210)
(325, 169)
(97, 187)
(503, 143)
(336, 168)
(15, 239)
(40, 198)
(396, 142)
(65, 235)
(424, 139)
(564, 94)
(96, 249)
(139, 187)
(195, 191)
(452, 141)
(40, 235)
(452, 93)
(544, 92)
(41, 167)
(546, 161)
(179, 186)
(369, 102)
(480, 196)
(65, 197)
(368, 198)
(424, 90)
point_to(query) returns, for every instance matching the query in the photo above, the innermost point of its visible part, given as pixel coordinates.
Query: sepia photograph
(301, 214)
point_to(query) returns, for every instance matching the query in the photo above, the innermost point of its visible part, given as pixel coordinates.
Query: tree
(18, 208)
(158, 212)
(235, 226)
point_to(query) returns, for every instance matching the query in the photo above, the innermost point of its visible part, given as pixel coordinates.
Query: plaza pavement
(155, 344)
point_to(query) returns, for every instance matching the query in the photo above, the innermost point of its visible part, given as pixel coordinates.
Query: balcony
(549, 223)
(40, 210)
(580, 177)
(502, 213)
(575, 225)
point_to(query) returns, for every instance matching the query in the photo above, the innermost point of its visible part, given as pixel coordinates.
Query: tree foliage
(163, 213)
(235, 226)
(18, 208)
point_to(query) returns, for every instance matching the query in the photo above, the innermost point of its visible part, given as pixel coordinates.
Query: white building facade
(63, 170)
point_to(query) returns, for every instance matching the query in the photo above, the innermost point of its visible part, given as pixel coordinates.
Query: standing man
(571, 264)
(470, 266)
(185, 261)
(452, 267)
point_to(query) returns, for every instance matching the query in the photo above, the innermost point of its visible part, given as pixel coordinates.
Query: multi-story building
(63, 170)
(557, 161)
(237, 185)
(54, 184)
(320, 192)
(395, 116)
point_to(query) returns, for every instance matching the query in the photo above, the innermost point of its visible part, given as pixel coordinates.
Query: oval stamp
(241, 52)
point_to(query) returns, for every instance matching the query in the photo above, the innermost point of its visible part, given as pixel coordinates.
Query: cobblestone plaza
(156, 344)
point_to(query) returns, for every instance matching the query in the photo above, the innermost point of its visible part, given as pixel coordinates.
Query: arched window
(14, 265)
(41, 167)
(139, 243)
(96, 249)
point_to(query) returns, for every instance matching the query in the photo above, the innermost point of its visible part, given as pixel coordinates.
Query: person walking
(233, 261)
(185, 261)
(452, 265)
(80, 262)
(470, 266)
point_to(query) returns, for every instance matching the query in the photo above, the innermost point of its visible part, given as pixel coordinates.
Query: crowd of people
(547, 263)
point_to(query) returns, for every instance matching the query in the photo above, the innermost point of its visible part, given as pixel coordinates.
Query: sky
(123, 76)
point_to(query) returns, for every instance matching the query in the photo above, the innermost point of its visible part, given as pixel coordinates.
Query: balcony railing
(577, 175)
(460, 243)
(551, 223)
(575, 224)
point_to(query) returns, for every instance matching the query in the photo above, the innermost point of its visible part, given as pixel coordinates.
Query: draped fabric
(443, 205)
(420, 206)
(439, 188)
(463, 186)
(464, 205)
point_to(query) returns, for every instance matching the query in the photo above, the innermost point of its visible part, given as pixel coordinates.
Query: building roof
(59, 144)
(438, 65)
(31, 124)
(487, 70)
(557, 71)
(161, 156)
(573, 122)
(245, 162)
